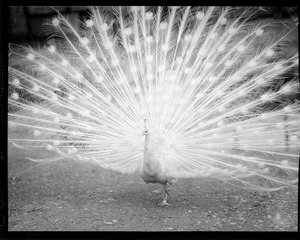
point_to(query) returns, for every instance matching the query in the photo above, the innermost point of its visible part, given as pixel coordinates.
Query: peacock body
(170, 93)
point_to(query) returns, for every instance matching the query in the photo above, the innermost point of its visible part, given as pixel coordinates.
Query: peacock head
(146, 132)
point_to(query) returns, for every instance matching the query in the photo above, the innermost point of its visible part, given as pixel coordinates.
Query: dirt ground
(73, 196)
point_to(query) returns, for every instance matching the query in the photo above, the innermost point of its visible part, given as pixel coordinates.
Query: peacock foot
(164, 195)
(164, 204)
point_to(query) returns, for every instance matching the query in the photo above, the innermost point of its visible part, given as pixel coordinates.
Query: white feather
(209, 89)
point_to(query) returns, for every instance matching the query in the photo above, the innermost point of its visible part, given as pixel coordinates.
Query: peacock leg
(165, 196)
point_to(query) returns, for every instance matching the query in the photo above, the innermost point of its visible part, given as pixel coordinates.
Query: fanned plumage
(218, 98)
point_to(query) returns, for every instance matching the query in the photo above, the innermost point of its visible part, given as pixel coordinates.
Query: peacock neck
(147, 140)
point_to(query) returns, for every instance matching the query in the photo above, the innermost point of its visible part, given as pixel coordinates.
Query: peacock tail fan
(220, 96)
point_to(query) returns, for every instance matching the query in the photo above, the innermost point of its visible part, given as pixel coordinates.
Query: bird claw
(165, 197)
(164, 204)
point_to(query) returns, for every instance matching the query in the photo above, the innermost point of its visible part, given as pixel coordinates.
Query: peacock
(166, 92)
